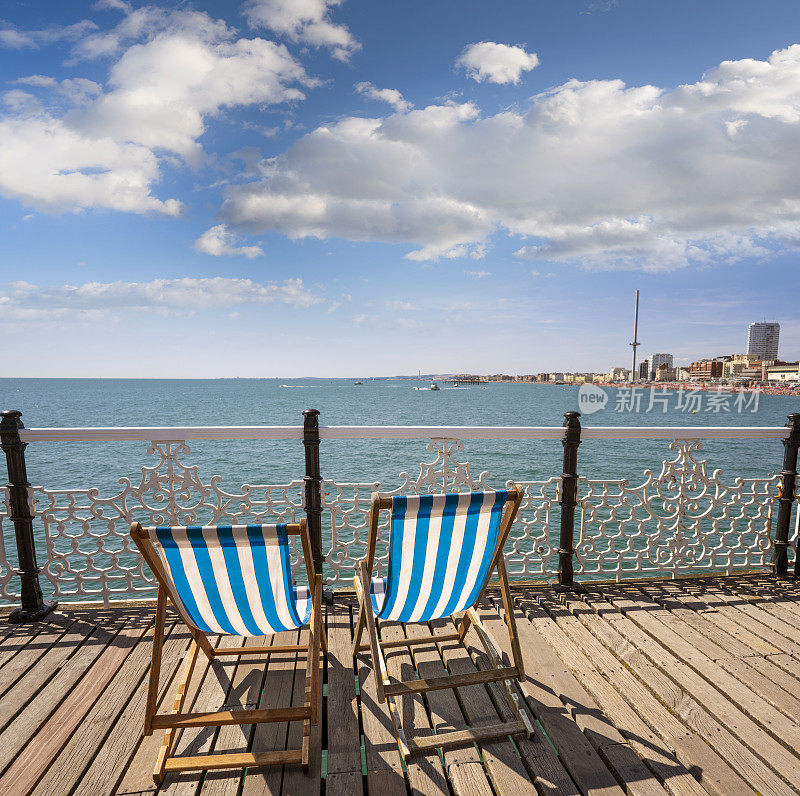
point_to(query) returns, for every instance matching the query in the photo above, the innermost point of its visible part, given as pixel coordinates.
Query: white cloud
(47, 165)
(75, 90)
(220, 241)
(496, 63)
(79, 146)
(163, 90)
(478, 274)
(22, 301)
(592, 172)
(390, 96)
(306, 21)
(18, 39)
(402, 306)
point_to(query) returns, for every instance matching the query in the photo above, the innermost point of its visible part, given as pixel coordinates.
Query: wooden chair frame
(177, 719)
(388, 690)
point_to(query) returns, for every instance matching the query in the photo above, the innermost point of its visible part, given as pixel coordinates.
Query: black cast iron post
(791, 443)
(33, 606)
(312, 485)
(568, 500)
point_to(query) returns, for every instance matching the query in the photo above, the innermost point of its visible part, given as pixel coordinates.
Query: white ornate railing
(683, 518)
(680, 519)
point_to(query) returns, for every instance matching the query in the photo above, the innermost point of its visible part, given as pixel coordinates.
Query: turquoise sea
(220, 402)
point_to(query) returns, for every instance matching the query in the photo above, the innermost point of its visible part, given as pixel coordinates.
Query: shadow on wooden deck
(684, 687)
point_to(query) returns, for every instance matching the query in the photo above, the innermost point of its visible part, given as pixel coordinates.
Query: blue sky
(306, 187)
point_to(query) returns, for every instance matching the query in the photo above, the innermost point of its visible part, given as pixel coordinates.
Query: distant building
(619, 374)
(664, 373)
(762, 340)
(644, 370)
(787, 371)
(739, 363)
(556, 377)
(705, 369)
(656, 360)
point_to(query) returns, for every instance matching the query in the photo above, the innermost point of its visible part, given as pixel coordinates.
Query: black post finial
(33, 606)
(568, 500)
(791, 444)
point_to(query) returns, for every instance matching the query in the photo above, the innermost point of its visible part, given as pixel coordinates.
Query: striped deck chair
(233, 580)
(442, 551)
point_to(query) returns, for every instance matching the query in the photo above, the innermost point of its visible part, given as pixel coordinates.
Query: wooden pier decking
(684, 687)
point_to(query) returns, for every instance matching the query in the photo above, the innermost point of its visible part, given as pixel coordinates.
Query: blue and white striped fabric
(233, 579)
(440, 551)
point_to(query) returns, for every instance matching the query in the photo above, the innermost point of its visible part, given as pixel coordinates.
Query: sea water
(237, 402)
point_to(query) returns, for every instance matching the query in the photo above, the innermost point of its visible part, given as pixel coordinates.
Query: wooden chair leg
(155, 663)
(203, 643)
(312, 672)
(177, 705)
(463, 627)
(323, 638)
(362, 590)
(360, 624)
(511, 622)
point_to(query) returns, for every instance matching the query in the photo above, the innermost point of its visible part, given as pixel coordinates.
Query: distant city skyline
(266, 188)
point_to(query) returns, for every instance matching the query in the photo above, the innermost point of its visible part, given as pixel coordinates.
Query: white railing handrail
(170, 433)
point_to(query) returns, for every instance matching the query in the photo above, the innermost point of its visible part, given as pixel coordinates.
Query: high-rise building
(762, 340)
(644, 370)
(656, 360)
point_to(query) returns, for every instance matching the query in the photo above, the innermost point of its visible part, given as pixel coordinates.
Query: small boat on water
(358, 384)
(434, 386)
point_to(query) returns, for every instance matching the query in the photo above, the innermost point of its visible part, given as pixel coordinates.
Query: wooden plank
(540, 759)
(33, 761)
(423, 685)
(424, 771)
(232, 761)
(585, 656)
(114, 755)
(295, 780)
(244, 695)
(39, 669)
(90, 736)
(695, 613)
(770, 681)
(462, 765)
(344, 738)
(643, 657)
(138, 774)
(51, 695)
(278, 691)
(384, 770)
(635, 709)
(482, 735)
(28, 657)
(782, 637)
(17, 637)
(655, 621)
(504, 766)
(546, 680)
(212, 693)
(227, 718)
(768, 598)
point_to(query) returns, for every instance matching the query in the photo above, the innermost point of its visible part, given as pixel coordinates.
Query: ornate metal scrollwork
(681, 519)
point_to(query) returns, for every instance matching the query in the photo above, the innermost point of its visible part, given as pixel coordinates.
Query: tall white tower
(762, 340)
